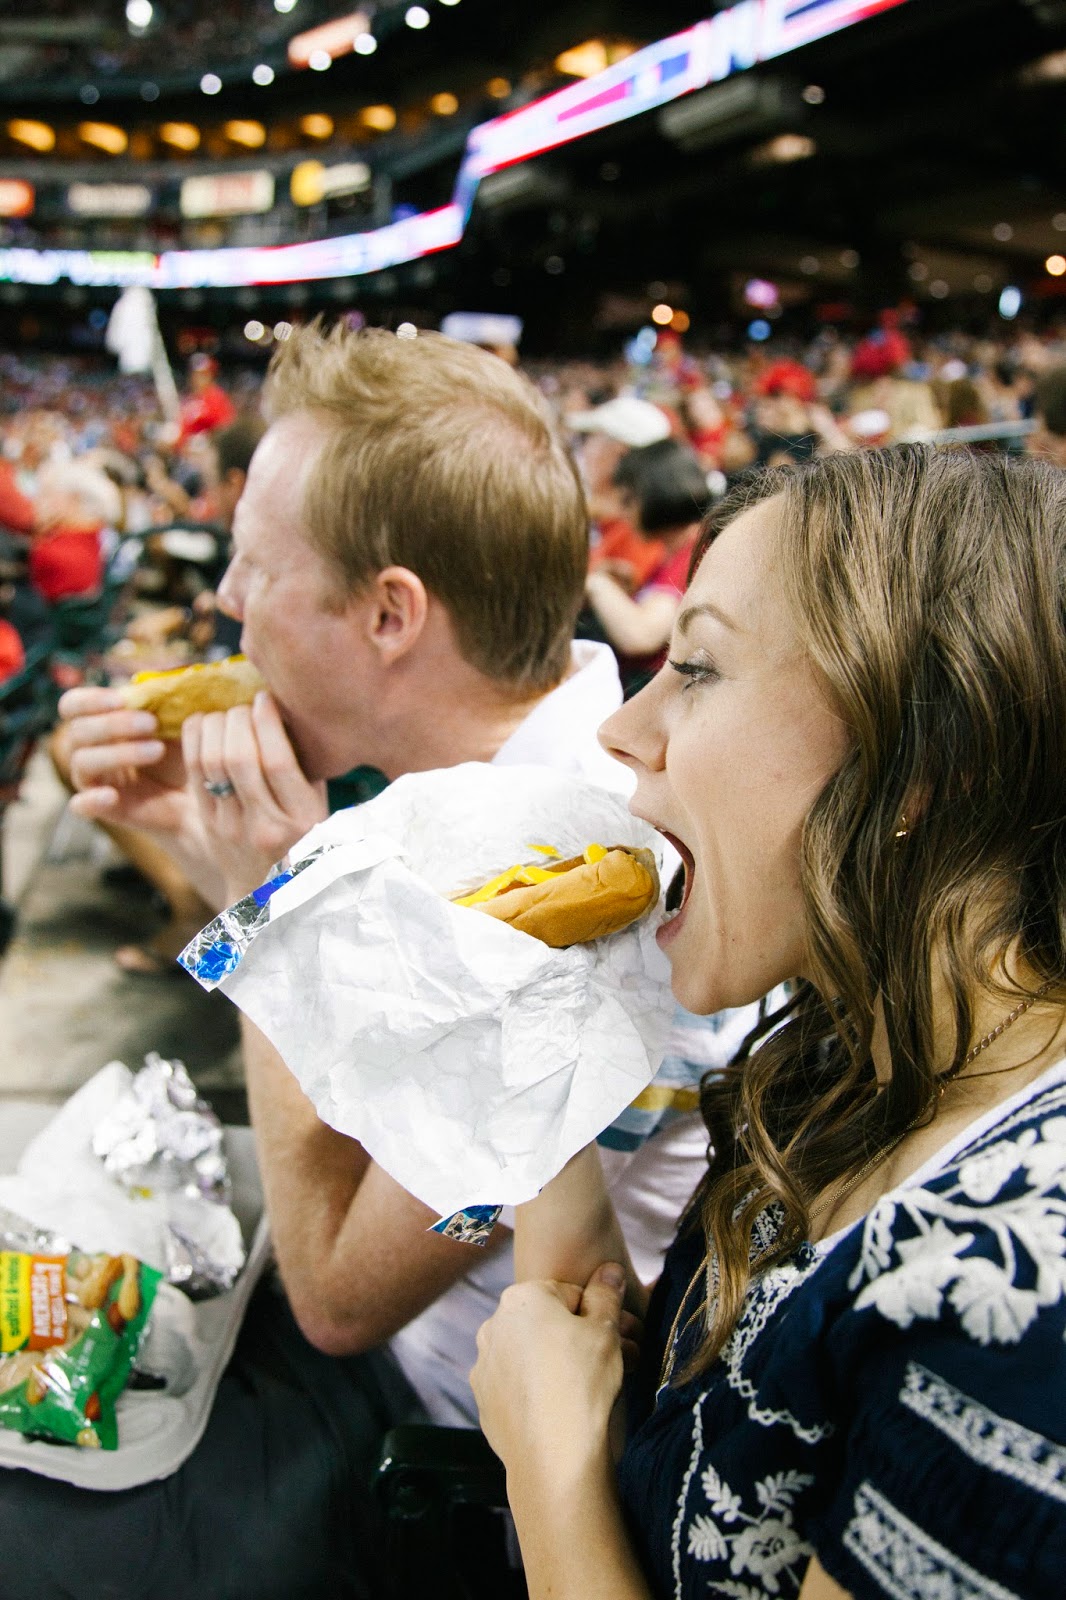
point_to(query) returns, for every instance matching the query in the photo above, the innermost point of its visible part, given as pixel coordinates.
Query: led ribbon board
(732, 41)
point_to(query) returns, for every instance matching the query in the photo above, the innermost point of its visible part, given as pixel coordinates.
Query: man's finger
(108, 727)
(95, 803)
(243, 763)
(281, 769)
(92, 765)
(87, 701)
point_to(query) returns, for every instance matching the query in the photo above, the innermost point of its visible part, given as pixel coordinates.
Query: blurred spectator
(877, 367)
(75, 505)
(1048, 440)
(207, 406)
(663, 490)
(608, 433)
(12, 655)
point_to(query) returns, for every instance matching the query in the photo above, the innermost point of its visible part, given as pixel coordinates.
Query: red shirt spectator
(16, 511)
(208, 406)
(619, 542)
(12, 655)
(65, 562)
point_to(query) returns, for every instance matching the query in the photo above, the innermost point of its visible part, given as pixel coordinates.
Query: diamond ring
(220, 790)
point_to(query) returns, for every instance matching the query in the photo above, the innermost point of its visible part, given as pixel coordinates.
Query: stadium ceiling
(920, 150)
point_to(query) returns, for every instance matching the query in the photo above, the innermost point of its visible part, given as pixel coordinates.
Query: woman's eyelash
(695, 671)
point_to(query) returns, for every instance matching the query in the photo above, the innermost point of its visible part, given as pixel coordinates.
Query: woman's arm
(570, 1229)
(818, 1585)
(635, 627)
(548, 1373)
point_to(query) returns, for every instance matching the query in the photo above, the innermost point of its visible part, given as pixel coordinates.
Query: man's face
(309, 642)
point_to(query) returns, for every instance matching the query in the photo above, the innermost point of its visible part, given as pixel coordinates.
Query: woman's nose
(634, 733)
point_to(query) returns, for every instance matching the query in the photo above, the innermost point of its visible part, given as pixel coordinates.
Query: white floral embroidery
(907, 1562)
(763, 1544)
(996, 1297)
(765, 1295)
(991, 1440)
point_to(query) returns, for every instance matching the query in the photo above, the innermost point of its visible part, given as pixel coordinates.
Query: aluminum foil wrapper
(218, 949)
(26, 1238)
(161, 1139)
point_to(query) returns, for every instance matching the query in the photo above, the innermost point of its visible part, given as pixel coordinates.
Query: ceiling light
(1056, 265)
(38, 135)
(1003, 231)
(416, 17)
(365, 45)
(1058, 222)
(182, 135)
(407, 330)
(103, 136)
(381, 118)
(786, 147)
(584, 60)
(681, 322)
(284, 6)
(88, 94)
(499, 88)
(814, 94)
(449, 2)
(444, 105)
(282, 330)
(262, 75)
(210, 83)
(918, 272)
(149, 92)
(1010, 302)
(810, 265)
(242, 130)
(253, 330)
(939, 289)
(320, 61)
(850, 259)
(316, 125)
(139, 13)
(662, 314)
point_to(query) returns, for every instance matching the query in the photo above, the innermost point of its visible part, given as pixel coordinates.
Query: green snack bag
(70, 1327)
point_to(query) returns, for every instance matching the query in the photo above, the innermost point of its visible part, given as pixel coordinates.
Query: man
(207, 406)
(607, 434)
(1048, 439)
(409, 555)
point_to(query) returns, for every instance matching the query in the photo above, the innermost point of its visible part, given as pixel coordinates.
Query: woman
(663, 492)
(852, 1379)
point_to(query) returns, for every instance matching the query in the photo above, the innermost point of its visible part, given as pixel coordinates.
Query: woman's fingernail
(612, 1275)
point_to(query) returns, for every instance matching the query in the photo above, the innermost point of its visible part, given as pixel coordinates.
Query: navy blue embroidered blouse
(893, 1399)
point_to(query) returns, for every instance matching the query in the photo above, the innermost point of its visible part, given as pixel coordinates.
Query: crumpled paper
(470, 1060)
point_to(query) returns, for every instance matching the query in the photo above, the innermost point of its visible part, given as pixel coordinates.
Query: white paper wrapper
(470, 1060)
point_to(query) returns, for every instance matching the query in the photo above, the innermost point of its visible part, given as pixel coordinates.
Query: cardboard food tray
(157, 1430)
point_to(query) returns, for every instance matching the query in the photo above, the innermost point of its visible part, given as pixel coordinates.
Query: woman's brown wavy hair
(929, 589)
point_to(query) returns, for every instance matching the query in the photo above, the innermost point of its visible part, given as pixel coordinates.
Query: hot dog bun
(581, 900)
(208, 686)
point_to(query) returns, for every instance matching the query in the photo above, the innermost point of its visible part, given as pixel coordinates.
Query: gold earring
(904, 826)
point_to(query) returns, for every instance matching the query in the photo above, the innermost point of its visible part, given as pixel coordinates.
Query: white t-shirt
(651, 1185)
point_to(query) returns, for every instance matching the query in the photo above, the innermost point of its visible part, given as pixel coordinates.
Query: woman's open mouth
(680, 885)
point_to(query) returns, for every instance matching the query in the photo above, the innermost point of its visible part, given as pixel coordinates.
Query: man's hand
(123, 772)
(272, 804)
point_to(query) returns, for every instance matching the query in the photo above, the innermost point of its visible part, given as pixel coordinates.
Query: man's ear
(397, 606)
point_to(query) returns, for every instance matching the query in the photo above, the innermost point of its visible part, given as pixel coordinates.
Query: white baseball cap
(631, 421)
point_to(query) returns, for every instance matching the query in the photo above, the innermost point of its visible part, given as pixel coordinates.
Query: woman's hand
(272, 804)
(547, 1379)
(548, 1373)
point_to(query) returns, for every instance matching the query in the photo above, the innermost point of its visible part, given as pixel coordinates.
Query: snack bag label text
(33, 1305)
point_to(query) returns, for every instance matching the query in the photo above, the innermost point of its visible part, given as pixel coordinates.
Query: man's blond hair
(441, 459)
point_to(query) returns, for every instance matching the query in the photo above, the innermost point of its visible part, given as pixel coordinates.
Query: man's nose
(228, 597)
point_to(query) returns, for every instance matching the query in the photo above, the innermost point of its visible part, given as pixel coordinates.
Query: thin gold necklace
(853, 1183)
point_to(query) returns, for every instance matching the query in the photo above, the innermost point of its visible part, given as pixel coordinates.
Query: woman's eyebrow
(690, 613)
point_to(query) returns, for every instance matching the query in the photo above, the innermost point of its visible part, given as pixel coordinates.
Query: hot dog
(575, 901)
(208, 686)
